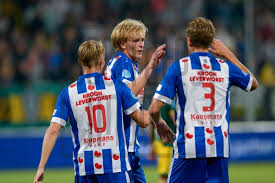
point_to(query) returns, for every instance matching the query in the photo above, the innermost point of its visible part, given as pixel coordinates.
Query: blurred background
(38, 58)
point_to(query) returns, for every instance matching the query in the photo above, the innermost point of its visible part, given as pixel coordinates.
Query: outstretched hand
(39, 176)
(157, 55)
(218, 48)
(165, 133)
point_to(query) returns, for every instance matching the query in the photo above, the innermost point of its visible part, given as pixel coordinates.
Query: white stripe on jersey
(132, 136)
(224, 129)
(132, 109)
(127, 177)
(175, 144)
(116, 164)
(248, 88)
(126, 150)
(58, 120)
(163, 98)
(126, 81)
(98, 163)
(210, 142)
(190, 146)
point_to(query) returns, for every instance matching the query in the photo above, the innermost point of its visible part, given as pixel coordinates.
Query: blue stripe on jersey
(99, 83)
(107, 160)
(219, 141)
(195, 62)
(127, 124)
(81, 85)
(200, 142)
(120, 133)
(74, 130)
(89, 162)
(182, 100)
(215, 64)
(227, 116)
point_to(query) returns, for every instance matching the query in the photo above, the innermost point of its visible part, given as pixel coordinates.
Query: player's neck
(88, 70)
(129, 56)
(193, 49)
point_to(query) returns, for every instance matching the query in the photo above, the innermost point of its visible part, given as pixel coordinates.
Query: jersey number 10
(91, 122)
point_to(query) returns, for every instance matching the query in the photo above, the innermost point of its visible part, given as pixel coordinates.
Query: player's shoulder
(184, 60)
(119, 84)
(175, 65)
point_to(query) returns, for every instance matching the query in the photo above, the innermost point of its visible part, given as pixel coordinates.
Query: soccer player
(201, 83)
(94, 106)
(128, 40)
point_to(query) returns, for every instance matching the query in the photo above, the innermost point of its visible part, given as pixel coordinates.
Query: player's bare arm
(164, 131)
(219, 49)
(137, 85)
(48, 144)
(141, 117)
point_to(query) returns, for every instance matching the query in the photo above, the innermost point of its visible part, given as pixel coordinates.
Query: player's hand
(39, 176)
(218, 48)
(157, 55)
(165, 133)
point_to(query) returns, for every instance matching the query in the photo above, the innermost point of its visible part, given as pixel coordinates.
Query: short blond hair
(201, 32)
(89, 52)
(125, 30)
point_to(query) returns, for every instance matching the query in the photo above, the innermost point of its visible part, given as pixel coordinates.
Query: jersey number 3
(209, 96)
(94, 109)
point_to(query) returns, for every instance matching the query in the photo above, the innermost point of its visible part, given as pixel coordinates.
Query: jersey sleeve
(123, 71)
(166, 90)
(129, 101)
(239, 78)
(60, 114)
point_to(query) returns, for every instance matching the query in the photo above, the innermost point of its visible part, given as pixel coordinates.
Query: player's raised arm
(48, 144)
(164, 131)
(219, 49)
(137, 85)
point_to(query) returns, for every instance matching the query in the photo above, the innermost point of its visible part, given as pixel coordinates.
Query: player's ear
(101, 62)
(122, 45)
(189, 42)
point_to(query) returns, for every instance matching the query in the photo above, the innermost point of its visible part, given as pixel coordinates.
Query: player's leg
(136, 173)
(85, 179)
(121, 177)
(217, 170)
(187, 170)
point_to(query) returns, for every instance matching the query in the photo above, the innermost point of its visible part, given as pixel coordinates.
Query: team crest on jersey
(205, 64)
(126, 74)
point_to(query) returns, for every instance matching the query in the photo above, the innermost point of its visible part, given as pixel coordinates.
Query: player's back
(201, 85)
(95, 112)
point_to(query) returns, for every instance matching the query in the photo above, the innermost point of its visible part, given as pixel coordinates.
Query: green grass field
(239, 173)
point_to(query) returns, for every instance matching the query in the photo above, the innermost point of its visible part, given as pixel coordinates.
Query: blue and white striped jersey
(201, 86)
(122, 68)
(94, 104)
